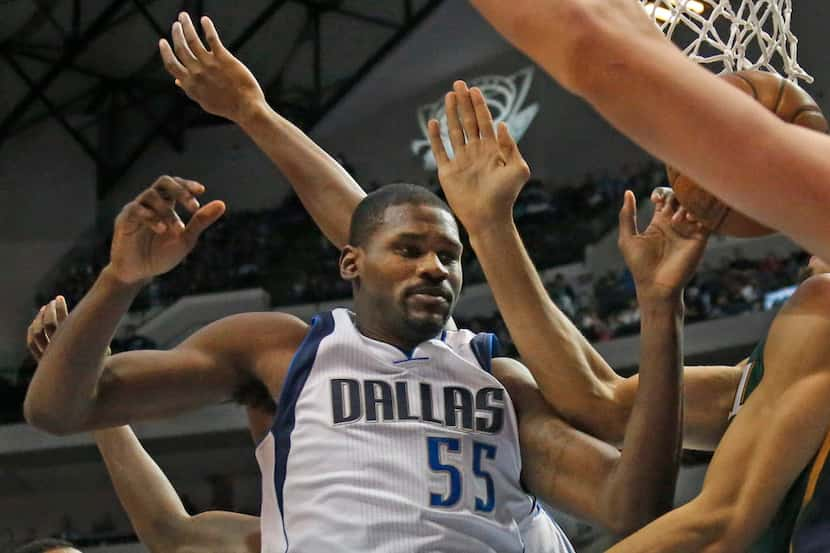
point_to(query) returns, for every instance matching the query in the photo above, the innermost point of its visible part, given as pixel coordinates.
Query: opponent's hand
(44, 326)
(213, 78)
(662, 258)
(150, 238)
(487, 172)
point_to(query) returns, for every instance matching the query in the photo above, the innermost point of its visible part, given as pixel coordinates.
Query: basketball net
(755, 35)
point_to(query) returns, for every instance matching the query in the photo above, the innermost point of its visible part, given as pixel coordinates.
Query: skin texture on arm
(774, 172)
(155, 510)
(223, 86)
(770, 442)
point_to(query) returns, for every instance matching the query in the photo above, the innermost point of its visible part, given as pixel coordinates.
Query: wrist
(660, 301)
(112, 277)
(486, 227)
(251, 111)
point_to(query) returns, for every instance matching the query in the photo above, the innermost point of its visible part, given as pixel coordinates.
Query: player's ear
(350, 259)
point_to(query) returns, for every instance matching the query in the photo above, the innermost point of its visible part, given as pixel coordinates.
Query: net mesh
(732, 35)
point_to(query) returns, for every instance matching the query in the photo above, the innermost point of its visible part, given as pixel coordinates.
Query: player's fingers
(202, 219)
(162, 208)
(628, 216)
(50, 319)
(506, 142)
(466, 111)
(186, 57)
(437, 144)
(454, 130)
(176, 189)
(212, 36)
(191, 189)
(171, 63)
(192, 37)
(40, 338)
(35, 350)
(61, 308)
(484, 118)
(147, 216)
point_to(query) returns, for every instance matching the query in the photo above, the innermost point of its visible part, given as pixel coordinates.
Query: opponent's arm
(777, 433)
(625, 491)
(223, 86)
(482, 183)
(76, 388)
(155, 510)
(665, 105)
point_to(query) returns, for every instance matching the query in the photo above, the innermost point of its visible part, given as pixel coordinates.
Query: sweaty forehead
(424, 220)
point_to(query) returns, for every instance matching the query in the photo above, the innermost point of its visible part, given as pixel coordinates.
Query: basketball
(787, 101)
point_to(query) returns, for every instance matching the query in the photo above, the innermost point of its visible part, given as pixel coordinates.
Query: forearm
(667, 96)
(63, 389)
(572, 376)
(591, 46)
(688, 529)
(324, 187)
(150, 501)
(641, 485)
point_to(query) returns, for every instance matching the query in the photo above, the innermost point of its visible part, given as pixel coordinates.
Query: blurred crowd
(608, 309)
(281, 250)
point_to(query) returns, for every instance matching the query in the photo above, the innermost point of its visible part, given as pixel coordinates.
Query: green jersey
(802, 522)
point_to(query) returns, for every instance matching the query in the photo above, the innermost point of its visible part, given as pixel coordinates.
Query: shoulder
(800, 334)
(262, 342)
(252, 330)
(813, 295)
(517, 380)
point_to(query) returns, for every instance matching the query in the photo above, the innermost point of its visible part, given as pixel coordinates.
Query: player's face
(410, 273)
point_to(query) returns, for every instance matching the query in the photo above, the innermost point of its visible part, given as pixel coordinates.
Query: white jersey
(374, 449)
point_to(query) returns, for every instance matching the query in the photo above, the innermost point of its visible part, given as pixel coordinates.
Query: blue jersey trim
(485, 346)
(321, 326)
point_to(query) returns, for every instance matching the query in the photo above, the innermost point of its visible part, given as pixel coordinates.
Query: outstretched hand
(662, 258)
(150, 238)
(486, 174)
(212, 77)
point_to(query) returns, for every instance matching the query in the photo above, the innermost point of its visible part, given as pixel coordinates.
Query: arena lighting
(664, 14)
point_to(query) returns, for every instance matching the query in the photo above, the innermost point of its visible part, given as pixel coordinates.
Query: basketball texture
(787, 101)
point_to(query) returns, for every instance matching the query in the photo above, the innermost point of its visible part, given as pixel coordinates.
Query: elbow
(41, 418)
(44, 417)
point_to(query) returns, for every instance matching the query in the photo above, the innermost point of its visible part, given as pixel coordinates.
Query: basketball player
(768, 487)
(155, 511)
(381, 391)
(223, 86)
(681, 113)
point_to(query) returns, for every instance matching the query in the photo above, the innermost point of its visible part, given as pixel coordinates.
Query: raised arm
(781, 430)
(481, 183)
(223, 86)
(623, 490)
(775, 172)
(77, 388)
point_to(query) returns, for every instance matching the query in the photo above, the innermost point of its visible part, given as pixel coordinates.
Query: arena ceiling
(93, 66)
